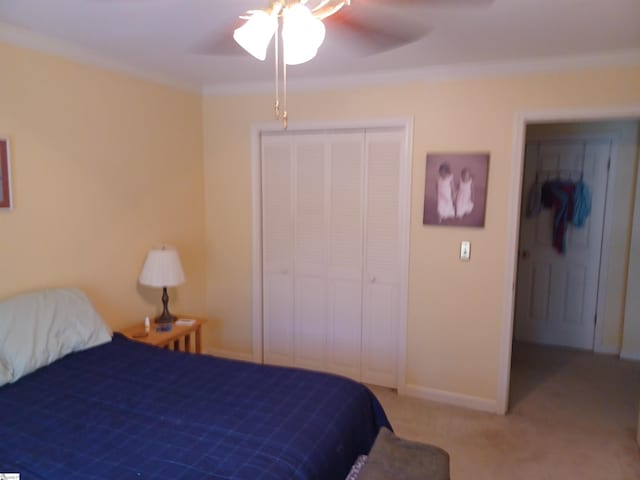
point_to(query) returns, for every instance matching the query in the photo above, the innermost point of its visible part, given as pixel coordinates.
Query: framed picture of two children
(5, 175)
(455, 192)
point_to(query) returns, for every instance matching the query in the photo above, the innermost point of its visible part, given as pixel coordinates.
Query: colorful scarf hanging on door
(558, 195)
(581, 204)
(570, 202)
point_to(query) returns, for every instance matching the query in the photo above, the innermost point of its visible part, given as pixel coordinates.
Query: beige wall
(626, 135)
(105, 166)
(456, 310)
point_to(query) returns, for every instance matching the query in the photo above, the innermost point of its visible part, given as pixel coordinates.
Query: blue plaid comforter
(124, 410)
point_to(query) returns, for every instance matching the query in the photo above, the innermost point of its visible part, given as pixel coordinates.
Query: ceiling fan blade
(221, 42)
(371, 34)
(426, 3)
(124, 1)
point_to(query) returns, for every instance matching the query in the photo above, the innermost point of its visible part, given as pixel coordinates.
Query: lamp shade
(256, 34)
(162, 268)
(302, 34)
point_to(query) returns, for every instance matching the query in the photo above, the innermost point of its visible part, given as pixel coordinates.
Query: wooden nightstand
(172, 338)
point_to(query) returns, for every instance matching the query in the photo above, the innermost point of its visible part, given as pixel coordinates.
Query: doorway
(565, 185)
(610, 308)
(568, 277)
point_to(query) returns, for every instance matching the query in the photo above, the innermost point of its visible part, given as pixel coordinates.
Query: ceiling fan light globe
(256, 34)
(302, 35)
(298, 56)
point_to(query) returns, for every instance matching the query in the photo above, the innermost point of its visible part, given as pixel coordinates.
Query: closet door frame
(406, 125)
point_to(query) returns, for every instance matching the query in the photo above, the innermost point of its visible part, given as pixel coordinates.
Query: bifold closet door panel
(277, 248)
(310, 251)
(346, 208)
(384, 151)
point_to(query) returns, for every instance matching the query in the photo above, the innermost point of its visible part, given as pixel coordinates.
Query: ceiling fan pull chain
(277, 43)
(285, 116)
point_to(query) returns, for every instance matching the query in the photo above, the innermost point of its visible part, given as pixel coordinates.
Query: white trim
(630, 355)
(405, 250)
(614, 112)
(607, 228)
(312, 125)
(10, 207)
(450, 398)
(36, 41)
(437, 72)
(256, 240)
(513, 221)
(230, 354)
(258, 129)
(608, 350)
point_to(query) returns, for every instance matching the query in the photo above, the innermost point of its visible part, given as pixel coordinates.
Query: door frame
(406, 164)
(522, 119)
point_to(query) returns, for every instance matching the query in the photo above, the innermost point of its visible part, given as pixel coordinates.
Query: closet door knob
(372, 279)
(284, 271)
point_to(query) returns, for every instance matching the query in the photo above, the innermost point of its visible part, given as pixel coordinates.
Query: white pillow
(41, 327)
(5, 374)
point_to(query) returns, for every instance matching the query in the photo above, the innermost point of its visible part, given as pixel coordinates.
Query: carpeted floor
(573, 415)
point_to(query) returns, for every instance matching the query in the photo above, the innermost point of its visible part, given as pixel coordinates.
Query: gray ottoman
(393, 458)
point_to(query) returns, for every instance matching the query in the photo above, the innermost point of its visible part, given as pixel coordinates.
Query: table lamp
(162, 269)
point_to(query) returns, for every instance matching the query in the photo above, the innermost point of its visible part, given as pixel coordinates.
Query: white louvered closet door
(277, 248)
(381, 301)
(310, 251)
(331, 252)
(345, 242)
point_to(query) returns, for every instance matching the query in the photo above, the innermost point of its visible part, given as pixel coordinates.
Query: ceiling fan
(297, 28)
(366, 30)
(373, 25)
(300, 26)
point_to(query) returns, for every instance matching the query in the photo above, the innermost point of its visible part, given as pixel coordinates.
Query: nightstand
(172, 338)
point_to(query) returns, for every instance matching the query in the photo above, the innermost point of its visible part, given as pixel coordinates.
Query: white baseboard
(450, 398)
(230, 354)
(629, 355)
(607, 350)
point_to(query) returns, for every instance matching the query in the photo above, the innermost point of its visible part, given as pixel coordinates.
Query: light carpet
(573, 415)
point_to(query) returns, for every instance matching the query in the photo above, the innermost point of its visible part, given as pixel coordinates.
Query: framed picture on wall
(5, 175)
(455, 191)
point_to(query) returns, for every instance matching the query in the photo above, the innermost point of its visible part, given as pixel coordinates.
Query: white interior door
(556, 297)
(384, 151)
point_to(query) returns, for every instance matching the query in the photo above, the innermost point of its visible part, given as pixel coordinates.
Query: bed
(127, 410)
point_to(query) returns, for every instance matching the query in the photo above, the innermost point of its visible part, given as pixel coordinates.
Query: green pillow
(40, 327)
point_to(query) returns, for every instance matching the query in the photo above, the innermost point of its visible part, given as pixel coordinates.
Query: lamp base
(165, 317)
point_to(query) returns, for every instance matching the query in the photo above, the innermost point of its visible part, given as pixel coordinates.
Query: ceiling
(172, 40)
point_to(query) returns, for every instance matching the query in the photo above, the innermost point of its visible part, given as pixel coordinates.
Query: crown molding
(439, 72)
(26, 38)
(22, 37)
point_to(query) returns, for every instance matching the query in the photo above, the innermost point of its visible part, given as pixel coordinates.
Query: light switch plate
(465, 251)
